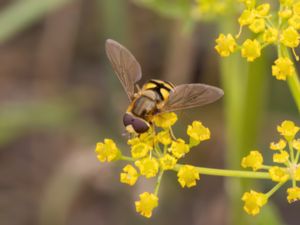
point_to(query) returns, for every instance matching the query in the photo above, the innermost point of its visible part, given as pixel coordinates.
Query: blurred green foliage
(19, 118)
(21, 14)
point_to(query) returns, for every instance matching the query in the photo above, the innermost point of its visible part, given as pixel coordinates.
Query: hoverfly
(155, 96)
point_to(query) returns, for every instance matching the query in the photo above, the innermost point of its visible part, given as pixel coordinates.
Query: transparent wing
(124, 64)
(191, 95)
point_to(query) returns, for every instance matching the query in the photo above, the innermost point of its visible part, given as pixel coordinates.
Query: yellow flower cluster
(287, 168)
(208, 9)
(280, 30)
(154, 152)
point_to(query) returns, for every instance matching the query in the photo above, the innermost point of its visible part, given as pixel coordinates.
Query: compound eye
(140, 126)
(127, 119)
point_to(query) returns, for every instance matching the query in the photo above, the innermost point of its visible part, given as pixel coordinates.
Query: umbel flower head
(154, 152)
(279, 29)
(287, 167)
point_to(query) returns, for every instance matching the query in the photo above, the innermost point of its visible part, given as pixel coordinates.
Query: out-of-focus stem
(293, 80)
(294, 84)
(159, 177)
(274, 189)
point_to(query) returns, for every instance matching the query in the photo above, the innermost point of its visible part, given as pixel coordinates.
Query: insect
(155, 96)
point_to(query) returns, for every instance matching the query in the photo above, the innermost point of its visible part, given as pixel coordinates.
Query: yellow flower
(278, 174)
(248, 3)
(290, 37)
(293, 194)
(251, 49)
(253, 160)
(296, 144)
(165, 120)
(263, 9)
(281, 157)
(254, 201)
(148, 167)
(147, 138)
(283, 67)
(294, 21)
(179, 148)
(296, 174)
(140, 150)
(164, 137)
(147, 203)
(225, 45)
(167, 162)
(286, 2)
(198, 132)
(129, 175)
(288, 129)
(107, 151)
(270, 35)
(296, 8)
(285, 13)
(187, 176)
(280, 145)
(246, 17)
(258, 25)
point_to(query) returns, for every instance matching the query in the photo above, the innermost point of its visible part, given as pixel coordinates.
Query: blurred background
(59, 96)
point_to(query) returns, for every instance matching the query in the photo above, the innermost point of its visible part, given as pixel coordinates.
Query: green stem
(294, 85)
(291, 152)
(160, 175)
(229, 173)
(294, 183)
(126, 158)
(274, 189)
(297, 156)
(293, 80)
(216, 172)
(266, 167)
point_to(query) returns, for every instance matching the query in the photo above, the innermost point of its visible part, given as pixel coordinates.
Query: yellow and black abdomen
(161, 88)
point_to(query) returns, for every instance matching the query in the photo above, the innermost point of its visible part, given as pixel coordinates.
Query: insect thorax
(151, 98)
